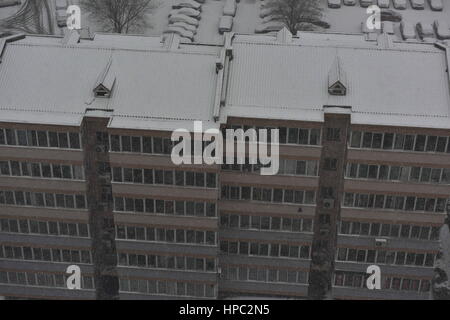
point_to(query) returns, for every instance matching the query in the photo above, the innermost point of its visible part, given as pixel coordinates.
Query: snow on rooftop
(403, 85)
(176, 85)
(400, 84)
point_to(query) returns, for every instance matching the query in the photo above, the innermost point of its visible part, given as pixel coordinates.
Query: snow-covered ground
(346, 19)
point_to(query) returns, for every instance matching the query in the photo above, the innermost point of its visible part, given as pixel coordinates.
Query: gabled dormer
(337, 80)
(105, 82)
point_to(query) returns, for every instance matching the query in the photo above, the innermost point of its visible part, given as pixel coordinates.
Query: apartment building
(86, 176)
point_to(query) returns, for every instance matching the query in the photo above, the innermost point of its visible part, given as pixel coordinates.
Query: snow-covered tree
(119, 16)
(297, 14)
(441, 283)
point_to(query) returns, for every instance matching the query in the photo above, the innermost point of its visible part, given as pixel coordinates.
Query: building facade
(86, 176)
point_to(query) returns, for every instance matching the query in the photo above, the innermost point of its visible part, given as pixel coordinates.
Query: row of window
(386, 257)
(266, 223)
(41, 170)
(42, 279)
(165, 177)
(170, 288)
(358, 280)
(389, 230)
(167, 262)
(169, 207)
(264, 275)
(39, 199)
(268, 195)
(158, 145)
(45, 227)
(381, 201)
(150, 145)
(286, 167)
(42, 139)
(399, 141)
(289, 135)
(45, 254)
(265, 249)
(166, 235)
(397, 173)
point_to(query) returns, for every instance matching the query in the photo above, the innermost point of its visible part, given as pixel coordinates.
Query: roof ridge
(99, 48)
(363, 46)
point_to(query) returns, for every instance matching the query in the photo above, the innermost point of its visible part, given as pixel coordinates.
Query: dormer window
(105, 81)
(338, 89)
(337, 80)
(102, 92)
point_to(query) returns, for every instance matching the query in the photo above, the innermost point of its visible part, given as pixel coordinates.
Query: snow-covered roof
(42, 75)
(388, 83)
(157, 87)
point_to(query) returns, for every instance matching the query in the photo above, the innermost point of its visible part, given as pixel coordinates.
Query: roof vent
(106, 81)
(71, 37)
(171, 41)
(337, 80)
(384, 41)
(284, 36)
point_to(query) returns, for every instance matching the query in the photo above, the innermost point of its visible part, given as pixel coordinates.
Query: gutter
(444, 47)
(223, 71)
(4, 41)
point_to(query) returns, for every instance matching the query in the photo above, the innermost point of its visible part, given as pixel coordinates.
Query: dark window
(330, 164)
(159, 177)
(126, 143)
(10, 137)
(377, 140)
(303, 136)
(115, 143)
(420, 143)
(157, 145)
(199, 179)
(74, 138)
(356, 139)
(42, 138)
(63, 140)
(148, 176)
(46, 170)
(441, 144)
(333, 134)
(4, 168)
(409, 142)
(293, 135)
(137, 175)
(80, 202)
(168, 177)
(2, 137)
(314, 138)
(136, 144)
(367, 140)
(431, 143)
(147, 144)
(388, 141)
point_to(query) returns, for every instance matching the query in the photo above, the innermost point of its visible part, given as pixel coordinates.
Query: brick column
(336, 130)
(100, 204)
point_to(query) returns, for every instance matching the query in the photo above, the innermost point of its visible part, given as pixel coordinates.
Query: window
(330, 164)
(333, 134)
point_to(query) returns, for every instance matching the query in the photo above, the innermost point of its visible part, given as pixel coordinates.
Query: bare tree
(119, 16)
(297, 14)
